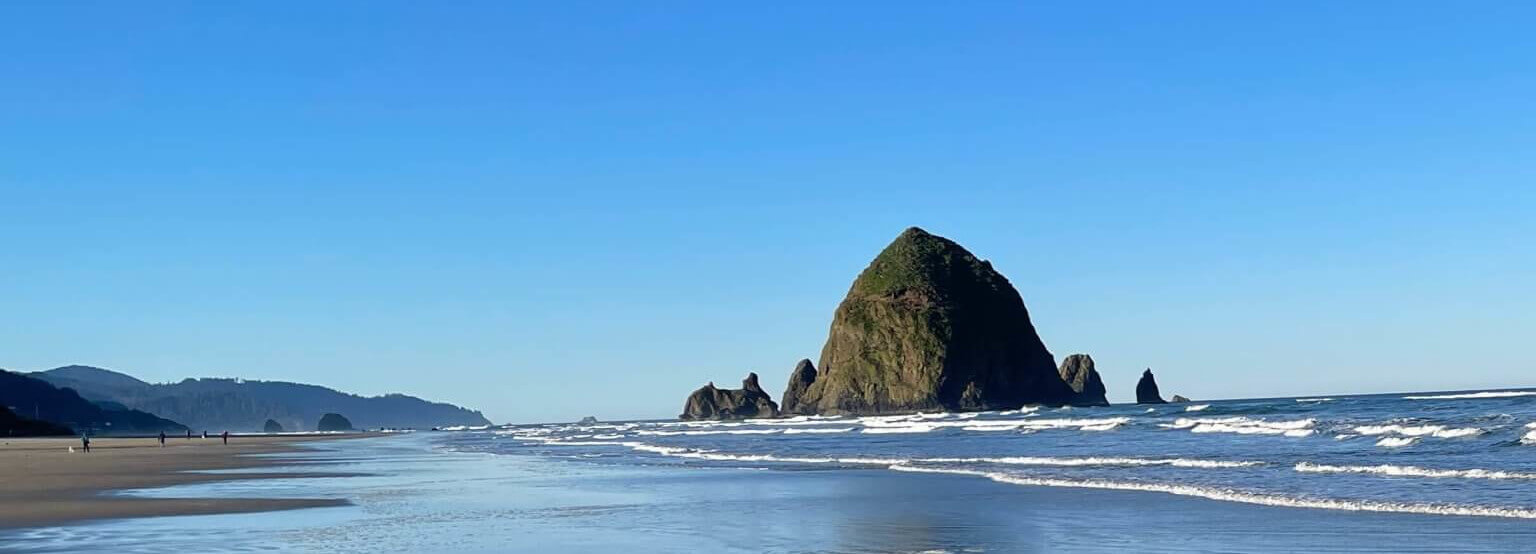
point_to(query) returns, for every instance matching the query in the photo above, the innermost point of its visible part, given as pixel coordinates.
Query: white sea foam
(1413, 471)
(1196, 407)
(1230, 495)
(1437, 431)
(1243, 426)
(1314, 399)
(1394, 442)
(817, 431)
(1094, 461)
(720, 432)
(914, 428)
(1472, 395)
(1529, 438)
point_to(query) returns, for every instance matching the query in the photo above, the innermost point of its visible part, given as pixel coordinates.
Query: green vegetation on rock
(929, 326)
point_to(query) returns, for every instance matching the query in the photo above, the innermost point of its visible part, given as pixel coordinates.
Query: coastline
(46, 484)
(420, 494)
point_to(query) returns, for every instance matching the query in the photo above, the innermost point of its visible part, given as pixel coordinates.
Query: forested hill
(37, 399)
(217, 404)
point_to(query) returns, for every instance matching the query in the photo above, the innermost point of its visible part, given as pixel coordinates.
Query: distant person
(226, 437)
(189, 434)
(85, 442)
(205, 434)
(162, 439)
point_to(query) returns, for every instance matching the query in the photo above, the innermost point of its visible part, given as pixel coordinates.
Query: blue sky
(550, 210)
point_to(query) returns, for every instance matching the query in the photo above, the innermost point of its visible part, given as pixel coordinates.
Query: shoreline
(47, 485)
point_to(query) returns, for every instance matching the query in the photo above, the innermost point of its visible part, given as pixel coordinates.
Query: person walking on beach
(189, 434)
(205, 434)
(85, 442)
(162, 439)
(226, 437)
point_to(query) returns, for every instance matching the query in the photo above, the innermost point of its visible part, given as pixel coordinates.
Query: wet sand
(43, 483)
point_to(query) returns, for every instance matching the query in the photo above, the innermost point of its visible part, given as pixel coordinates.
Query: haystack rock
(749, 401)
(271, 426)
(799, 381)
(1078, 372)
(928, 326)
(1146, 390)
(1178, 399)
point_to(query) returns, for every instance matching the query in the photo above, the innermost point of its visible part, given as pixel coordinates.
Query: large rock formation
(749, 401)
(928, 326)
(799, 381)
(1178, 399)
(272, 426)
(333, 422)
(1146, 390)
(1079, 374)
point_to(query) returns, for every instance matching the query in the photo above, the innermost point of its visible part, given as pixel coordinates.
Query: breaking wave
(1414, 471)
(1231, 495)
(1472, 395)
(1437, 431)
(1244, 426)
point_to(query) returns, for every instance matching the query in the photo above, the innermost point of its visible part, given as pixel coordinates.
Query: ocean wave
(1094, 461)
(1318, 400)
(1196, 407)
(1244, 426)
(817, 431)
(1395, 442)
(1529, 438)
(1472, 395)
(1437, 431)
(1230, 495)
(720, 432)
(1414, 471)
(914, 428)
(705, 454)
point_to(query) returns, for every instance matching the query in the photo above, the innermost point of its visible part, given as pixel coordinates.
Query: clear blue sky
(555, 209)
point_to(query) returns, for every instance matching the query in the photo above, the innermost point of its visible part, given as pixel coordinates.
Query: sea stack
(1077, 372)
(928, 326)
(799, 381)
(333, 422)
(1176, 399)
(714, 403)
(1146, 390)
(272, 426)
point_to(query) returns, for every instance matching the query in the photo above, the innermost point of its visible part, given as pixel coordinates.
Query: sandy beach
(47, 484)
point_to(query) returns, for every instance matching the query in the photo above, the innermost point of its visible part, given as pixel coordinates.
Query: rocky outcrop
(271, 426)
(589, 420)
(1146, 390)
(749, 401)
(333, 422)
(929, 326)
(799, 381)
(1077, 372)
(1178, 399)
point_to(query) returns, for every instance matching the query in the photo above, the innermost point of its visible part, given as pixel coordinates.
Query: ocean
(1413, 472)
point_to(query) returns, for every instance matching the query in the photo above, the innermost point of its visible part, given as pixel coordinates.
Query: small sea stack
(272, 426)
(333, 422)
(1088, 388)
(747, 402)
(799, 380)
(1146, 389)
